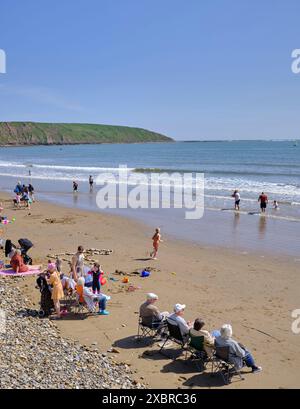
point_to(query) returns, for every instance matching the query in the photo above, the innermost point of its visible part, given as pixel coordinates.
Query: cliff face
(32, 133)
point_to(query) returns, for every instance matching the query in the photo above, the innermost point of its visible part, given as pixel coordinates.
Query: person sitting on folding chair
(177, 319)
(87, 296)
(238, 354)
(209, 340)
(150, 314)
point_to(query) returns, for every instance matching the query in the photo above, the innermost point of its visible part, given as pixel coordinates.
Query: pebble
(33, 354)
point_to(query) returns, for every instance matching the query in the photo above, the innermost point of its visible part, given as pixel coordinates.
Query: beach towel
(33, 270)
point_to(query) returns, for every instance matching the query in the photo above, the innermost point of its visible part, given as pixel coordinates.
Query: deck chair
(145, 331)
(174, 334)
(80, 307)
(221, 364)
(196, 348)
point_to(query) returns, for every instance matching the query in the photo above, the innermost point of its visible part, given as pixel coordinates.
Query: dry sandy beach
(255, 293)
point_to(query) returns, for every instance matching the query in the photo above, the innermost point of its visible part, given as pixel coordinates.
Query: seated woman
(86, 295)
(68, 283)
(238, 354)
(17, 262)
(209, 340)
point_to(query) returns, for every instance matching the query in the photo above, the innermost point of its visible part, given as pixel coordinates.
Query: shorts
(263, 205)
(237, 202)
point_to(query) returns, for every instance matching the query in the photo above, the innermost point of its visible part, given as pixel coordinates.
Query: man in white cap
(150, 313)
(177, 319)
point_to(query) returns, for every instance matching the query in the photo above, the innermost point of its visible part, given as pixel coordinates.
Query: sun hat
(179, 307)
(51, 266)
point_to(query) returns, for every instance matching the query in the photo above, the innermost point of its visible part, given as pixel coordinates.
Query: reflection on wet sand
(236, 220)
(75, 198)
(262, 225)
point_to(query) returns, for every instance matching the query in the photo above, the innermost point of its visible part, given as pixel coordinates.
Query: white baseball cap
(152, 296)
(179, 307)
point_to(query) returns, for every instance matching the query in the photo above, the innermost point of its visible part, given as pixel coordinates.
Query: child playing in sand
(156, 240)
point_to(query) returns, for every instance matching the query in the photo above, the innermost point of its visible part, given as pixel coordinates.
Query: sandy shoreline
(252, 292)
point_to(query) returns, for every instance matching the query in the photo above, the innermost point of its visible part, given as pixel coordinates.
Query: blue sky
(195, 69)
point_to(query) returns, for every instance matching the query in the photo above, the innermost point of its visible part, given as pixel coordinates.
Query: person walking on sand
(237, 199)
(75, 186)
(156, 240)
(263, 199)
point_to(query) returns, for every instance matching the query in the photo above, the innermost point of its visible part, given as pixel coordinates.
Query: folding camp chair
(173, 335)
(145, 331)
(221, 364)
(196, 348)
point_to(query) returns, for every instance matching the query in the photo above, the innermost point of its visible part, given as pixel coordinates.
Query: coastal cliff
(33, 133)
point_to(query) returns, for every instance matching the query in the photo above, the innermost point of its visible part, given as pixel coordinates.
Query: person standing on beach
(31, 191)
(91, 182)
(237, 199)
(156, 240)
(77, 264)
(96, 272)
(263, 199)
(75, 186)
(57, 288)
(18, 188)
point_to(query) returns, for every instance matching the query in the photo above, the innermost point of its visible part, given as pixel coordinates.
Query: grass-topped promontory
(34, 133)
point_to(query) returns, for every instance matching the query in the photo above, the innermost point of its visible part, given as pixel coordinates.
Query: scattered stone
(33, 355)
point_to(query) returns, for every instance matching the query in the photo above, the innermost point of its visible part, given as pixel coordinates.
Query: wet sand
(255, 293)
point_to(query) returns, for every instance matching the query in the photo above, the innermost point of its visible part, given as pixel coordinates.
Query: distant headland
(36, 133)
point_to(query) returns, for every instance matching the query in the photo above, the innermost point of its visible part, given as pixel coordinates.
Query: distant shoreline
(82, 143)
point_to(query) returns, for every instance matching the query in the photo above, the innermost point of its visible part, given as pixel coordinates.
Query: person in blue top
(18, 188)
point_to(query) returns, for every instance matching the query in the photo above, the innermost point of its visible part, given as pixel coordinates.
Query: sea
(251, 167)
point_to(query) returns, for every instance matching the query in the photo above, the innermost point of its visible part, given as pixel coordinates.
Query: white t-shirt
(181, 322)
(237, 196)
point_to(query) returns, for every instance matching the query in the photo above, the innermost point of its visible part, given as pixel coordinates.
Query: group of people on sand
(153, 318)
(262, 199)
(82, 281)
(24, 195)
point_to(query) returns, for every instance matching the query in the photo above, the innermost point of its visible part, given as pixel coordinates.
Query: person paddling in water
(75, 186)
(263, 199)
(237, 199)
(91, 182)
(156, 240)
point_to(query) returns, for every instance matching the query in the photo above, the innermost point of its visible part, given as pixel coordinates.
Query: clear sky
(191, 69)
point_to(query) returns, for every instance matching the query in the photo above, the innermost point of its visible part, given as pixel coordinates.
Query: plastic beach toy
(145, 273)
